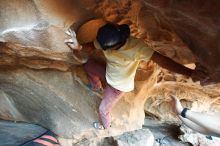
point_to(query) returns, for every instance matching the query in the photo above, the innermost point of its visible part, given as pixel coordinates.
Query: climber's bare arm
(171, 65)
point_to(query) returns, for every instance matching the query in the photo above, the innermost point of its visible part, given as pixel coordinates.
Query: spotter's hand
(176, 105)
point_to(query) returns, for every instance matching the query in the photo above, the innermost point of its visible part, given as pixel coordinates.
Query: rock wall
(197, 24)
(142, 137)
(192, 95)
(49, 98)
(41, 82)
(56, 100)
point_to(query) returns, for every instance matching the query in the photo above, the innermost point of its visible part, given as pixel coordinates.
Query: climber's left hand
(72, 42)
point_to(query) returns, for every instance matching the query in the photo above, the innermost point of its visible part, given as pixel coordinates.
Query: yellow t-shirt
(121, 64)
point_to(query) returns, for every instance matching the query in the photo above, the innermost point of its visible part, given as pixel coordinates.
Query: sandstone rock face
(61, 102)
(198, 139)
(43, 97)
(141, 137)
(192, 95)
(32, 33)
(33, 88)
(14, 134)
(197, 24)
(49, 98)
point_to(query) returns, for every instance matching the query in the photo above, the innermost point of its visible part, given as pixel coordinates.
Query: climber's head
(112, 36)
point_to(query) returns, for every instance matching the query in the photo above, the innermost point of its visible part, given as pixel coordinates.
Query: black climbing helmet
(111, 35)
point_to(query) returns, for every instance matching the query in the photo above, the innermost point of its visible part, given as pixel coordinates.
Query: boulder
(198, 139)
(49, 98)
(142, 137)
(61, 102)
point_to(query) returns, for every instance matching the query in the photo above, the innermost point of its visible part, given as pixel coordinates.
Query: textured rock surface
(36, 39)
(163, 25)
(61, 102)
(165, 134)
(142, 137)
(32, 35)
(157, 22)
(192, 95)
(198, 139)
(197, 24)
(49, 98)
(173, 134)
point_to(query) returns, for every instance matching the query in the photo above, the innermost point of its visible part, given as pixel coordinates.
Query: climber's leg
(95, 70)
(110, 98)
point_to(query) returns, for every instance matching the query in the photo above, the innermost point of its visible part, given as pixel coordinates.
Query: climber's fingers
(68, 41)
(73, 46)
(71, 33)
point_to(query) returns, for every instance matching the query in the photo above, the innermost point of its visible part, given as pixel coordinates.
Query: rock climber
(123, 54)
